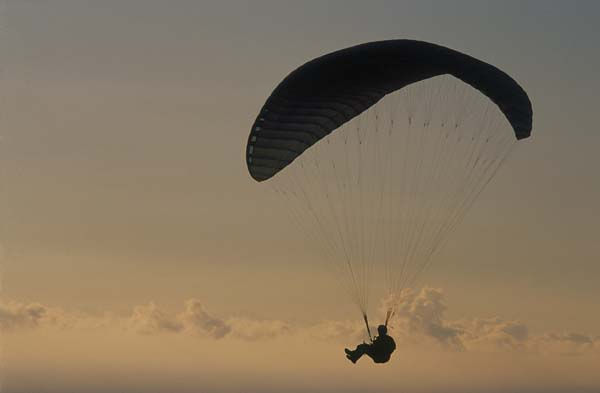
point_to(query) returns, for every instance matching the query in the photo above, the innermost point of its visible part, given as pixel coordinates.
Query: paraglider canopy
(330, 90)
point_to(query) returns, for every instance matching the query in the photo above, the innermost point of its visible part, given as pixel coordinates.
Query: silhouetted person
(380, 350)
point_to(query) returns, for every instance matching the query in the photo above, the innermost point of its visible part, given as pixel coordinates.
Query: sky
(139, 255)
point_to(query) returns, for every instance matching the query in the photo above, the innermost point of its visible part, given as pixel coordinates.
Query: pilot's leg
(358, 352)
(362, 349)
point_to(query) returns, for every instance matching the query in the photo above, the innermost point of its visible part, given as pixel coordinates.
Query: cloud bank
(419, 320)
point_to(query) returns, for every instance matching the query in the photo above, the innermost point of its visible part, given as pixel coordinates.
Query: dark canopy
(330, 90)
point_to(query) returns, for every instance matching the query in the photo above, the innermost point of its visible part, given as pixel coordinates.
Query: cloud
(348, 331)
(566, 343)
(148, 319)
(417, 316)
(254, 329)
(196, 319)
(422, 314)
(492, 334)
(419, 321)
(15, 315)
